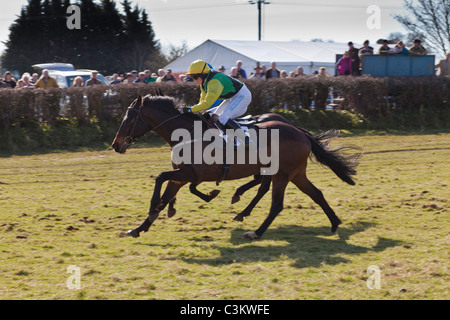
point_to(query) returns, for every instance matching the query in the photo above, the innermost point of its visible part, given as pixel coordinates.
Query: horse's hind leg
(205, 197)
(280, 182)
(262, 190)
(302, 182)
(240, 191)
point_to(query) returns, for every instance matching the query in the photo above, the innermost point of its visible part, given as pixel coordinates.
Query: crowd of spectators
(349, 64)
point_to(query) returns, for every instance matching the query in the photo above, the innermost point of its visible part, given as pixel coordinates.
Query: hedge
(367, 102)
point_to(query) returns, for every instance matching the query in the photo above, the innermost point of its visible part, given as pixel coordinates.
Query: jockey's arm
(215, 89)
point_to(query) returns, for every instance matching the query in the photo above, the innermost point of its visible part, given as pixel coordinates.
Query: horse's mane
(168, 104)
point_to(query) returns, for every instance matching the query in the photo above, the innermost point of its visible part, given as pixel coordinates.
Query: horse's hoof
(335, 226)
(251, 235)
(213, 194)
(238, 218)
(133, 233)
(235, 199)
(171, 212)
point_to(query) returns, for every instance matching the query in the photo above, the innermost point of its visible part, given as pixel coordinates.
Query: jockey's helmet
(199, 67)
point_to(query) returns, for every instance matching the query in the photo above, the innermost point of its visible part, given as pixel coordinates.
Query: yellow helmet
(198, 66)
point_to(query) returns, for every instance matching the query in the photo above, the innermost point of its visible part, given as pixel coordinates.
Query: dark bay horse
(160, 114)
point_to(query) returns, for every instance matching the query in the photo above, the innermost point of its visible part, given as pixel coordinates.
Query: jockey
(216, 85)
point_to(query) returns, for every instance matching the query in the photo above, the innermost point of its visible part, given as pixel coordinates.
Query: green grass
(65, 209)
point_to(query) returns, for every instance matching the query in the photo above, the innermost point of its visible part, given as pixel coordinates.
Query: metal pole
(259, 20)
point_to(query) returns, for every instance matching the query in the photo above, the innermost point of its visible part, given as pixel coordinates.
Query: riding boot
(215, 123)
(236, 126)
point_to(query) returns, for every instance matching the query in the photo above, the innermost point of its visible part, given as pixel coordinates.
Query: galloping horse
(161, 115)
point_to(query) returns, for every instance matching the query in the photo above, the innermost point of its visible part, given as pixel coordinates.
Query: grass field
(72, 209)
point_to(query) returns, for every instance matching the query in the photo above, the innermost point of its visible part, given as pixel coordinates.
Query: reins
(129, 140)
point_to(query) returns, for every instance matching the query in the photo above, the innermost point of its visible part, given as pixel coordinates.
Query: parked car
(65, 78)
(54, 66)
(64, 73)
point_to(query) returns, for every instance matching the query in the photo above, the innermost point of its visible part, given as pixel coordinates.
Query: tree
(431, 18)
(107, 41)
(174, 52)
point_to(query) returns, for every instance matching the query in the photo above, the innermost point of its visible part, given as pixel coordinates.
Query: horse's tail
(343, 165)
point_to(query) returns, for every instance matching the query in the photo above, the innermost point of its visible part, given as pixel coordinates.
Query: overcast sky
(198, 20)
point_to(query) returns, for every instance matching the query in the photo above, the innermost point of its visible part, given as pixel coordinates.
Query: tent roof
(287, 53)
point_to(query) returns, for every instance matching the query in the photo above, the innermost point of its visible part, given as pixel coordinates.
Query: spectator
(93, 80)
(148, 77)
(258, 75)
(263, 70)
(222, 69)
(322, 90)
(364, 51)
(115, 79)
(168, 76)
(20, 84)
(417, 49)
(26, 81)
(34, 78)
(400, 48)
(283, 74)
(78, 82)
(188, 78)
(444, 67)
(241, 71)
(8, 80)
(234, 73)
(273, 72)
(299, 72)
(323, 73)
(134, 75)
(128, 79)
(141, 78)
(385, 49)
(344, 64)
(46, 82)
(161, 74)
(292, 74)
(354, 57)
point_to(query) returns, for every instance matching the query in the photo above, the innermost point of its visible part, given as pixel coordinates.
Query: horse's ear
(139, 102)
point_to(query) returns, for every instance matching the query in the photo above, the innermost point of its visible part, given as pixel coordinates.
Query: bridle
(129, 140)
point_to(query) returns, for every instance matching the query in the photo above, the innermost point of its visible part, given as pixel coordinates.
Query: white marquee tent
(287, 54)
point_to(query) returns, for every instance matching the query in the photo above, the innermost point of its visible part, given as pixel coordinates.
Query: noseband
(129, 140)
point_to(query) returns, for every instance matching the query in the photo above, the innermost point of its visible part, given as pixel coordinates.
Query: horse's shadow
(307, 246)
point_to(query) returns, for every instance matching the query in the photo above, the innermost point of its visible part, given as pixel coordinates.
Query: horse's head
(132, 127)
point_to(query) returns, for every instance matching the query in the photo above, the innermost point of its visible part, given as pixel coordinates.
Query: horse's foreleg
(240, 191)
(180, 178)
(169, 197)
(262, 190)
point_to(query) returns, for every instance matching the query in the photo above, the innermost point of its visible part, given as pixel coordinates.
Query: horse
(162, 115)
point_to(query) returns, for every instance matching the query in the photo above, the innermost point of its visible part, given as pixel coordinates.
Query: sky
(195, 21)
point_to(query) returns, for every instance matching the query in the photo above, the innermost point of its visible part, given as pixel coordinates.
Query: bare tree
(431, 18)
(174, 52)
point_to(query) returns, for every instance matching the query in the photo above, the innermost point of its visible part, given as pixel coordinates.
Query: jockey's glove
(185, 110)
